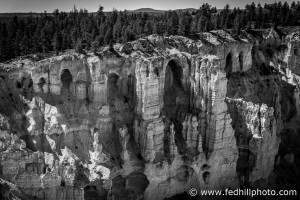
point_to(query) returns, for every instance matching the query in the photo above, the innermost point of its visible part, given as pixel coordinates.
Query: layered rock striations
(152, 118)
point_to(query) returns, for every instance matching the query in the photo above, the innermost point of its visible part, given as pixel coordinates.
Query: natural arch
(176, 101)
(173, 85)
(241, 61)
(66, 79)
(228, 66)
(116, 106)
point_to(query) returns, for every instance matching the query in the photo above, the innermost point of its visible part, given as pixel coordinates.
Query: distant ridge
(5, 17)
(151, 10)
(147, 10)
(187, 9)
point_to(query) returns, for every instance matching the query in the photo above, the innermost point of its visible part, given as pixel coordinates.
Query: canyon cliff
(153, 118)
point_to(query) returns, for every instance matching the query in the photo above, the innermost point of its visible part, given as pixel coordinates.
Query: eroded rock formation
(153, 118)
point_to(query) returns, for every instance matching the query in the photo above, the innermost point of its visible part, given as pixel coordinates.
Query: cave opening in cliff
(41, 83)
(19, 84)
(176, 100)
(30, 83)
(66, 79)
(228, 66)
(156, 71)
(206, 176)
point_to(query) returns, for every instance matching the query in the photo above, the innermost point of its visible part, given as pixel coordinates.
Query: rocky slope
(154, 118)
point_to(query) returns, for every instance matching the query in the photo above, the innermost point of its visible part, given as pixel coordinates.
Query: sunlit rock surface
(153, 118)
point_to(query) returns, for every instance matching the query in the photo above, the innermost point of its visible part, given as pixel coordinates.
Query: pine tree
(237, 24)
(181, 26)
(111, 46)
(117, 29)
(11, 36)
(148, 28)
(45, 40)
(227, 22)
(74, 36)
(252, 12)
(188, 20)
(259, 17)
(3, 42)
(248, 27)
(81, 30)
(284, 14)
(206, 27)
(194, 24)
(224, 17)
(57, 42)
(215, 22)
(24, 45)
(18, 40)
(66, 43)
(158, 28)
(94, 46)
(79, 47)
(173, 23)
(108, 38)
(128, 35)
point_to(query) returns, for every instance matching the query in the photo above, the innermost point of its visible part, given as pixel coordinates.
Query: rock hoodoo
(153, 118)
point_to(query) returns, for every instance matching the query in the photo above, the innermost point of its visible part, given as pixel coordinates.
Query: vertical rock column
(124, 138)
(265, 145)
(190, 132)
(220, 143)
(81, 91)
(149, 127)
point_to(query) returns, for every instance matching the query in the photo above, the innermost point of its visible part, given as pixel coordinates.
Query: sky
(93, 5)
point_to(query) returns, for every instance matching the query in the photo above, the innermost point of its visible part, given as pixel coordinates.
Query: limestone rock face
(151, 119)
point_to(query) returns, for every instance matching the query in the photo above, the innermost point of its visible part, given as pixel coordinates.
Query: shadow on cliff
(132, 186)
(262, 84)
(15, 95)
